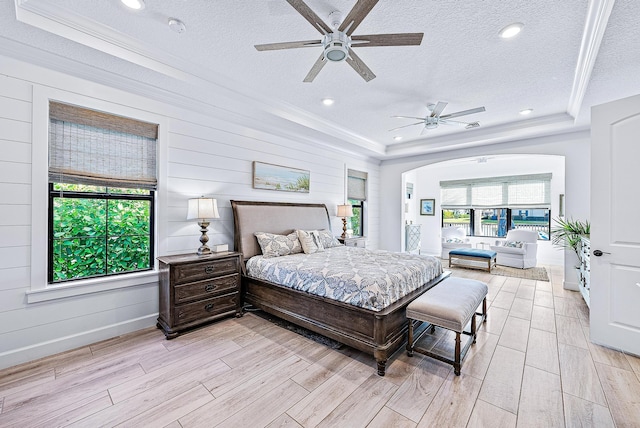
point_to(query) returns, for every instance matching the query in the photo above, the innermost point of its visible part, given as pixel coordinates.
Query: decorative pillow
(328, 240)
(273, 245)
(454, 240)
(310, 240)
(513, 244)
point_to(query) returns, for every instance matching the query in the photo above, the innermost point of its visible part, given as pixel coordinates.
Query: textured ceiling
(461, 60)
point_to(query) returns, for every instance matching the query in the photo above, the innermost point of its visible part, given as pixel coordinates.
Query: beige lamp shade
(345, 211)
(202, 208)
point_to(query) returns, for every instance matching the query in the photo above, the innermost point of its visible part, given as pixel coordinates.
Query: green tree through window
(99, 231)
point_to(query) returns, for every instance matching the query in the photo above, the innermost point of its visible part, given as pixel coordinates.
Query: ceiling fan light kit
(436, 117)
(336, 46)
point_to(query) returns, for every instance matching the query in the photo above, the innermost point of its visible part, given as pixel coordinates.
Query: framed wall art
(276, 177)
(427, 206)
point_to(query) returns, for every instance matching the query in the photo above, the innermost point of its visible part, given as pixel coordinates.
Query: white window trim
(40, 290)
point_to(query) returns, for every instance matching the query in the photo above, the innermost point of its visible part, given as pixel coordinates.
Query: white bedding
(364, 278)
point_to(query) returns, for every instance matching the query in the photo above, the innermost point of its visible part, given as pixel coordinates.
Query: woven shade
(356, 185)
(519, 191)
(95, 148)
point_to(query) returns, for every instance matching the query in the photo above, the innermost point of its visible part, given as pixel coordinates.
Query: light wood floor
(532, 365)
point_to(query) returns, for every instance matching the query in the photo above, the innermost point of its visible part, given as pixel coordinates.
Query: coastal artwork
(275, 177)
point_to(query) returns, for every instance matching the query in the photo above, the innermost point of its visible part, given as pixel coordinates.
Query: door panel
(615, 206)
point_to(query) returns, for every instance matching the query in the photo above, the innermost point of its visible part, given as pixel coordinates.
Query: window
(490, 207)
(357, 196)
(102, 178)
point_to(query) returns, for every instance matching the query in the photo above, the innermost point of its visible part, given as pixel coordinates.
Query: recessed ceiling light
(511, 30)
(133, 4)
(397, 138)
(328, 101)
(526, 111)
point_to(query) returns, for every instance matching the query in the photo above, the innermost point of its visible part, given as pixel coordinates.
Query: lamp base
(204, 248)
(344, 228)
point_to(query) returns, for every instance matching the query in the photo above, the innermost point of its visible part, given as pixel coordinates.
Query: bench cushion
(473, 252)
(450, 304)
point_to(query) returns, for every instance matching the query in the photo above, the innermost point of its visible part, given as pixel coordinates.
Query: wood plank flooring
(532, 366)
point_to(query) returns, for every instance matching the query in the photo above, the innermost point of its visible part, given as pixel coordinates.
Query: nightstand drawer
(355, 242)
(203, 270)
(207, 288)
(203, 309)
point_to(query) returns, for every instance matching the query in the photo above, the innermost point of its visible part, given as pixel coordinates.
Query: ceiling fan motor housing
(336, 46)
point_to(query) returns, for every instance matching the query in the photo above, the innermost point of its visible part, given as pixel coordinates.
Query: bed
(378, 329)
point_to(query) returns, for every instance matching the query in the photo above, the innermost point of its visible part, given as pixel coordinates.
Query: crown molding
(598, 14)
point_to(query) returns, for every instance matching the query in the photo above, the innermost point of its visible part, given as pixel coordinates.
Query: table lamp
(203, 209)
(344, 211)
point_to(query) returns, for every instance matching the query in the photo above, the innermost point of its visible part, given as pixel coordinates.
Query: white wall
(428, 187)
(201, 153)
(575, 147)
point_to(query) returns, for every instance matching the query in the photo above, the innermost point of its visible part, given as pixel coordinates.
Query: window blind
(519, 191)
(96, 148)
(356, 185)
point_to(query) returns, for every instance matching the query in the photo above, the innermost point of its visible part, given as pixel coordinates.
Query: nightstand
(354, 241)
(195, 290)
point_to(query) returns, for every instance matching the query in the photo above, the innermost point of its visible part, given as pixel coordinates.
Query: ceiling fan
(338, 42)
(437, 118)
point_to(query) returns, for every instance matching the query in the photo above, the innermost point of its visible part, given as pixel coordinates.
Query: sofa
(519, 249)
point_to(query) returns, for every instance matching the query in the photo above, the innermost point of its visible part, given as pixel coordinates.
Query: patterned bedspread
(365, 278)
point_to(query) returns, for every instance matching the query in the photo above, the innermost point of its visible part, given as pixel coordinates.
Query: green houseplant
(567, 233)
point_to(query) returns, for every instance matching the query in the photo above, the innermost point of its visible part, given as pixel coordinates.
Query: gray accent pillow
(328, 240)
(273, 245)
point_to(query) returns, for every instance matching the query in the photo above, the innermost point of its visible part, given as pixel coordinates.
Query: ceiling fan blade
(438, 109)
(467, 125)
(404, 126)
(317, 66)
(288, 45)
(463, 113)
(360, 10)
(451, 122)
(408, 117)
(401, 39)
(310, 16)
(360, 67)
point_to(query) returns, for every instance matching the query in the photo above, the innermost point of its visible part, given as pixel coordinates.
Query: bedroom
(207, 148)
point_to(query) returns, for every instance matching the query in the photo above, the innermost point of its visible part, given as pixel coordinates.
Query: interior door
(615, 231)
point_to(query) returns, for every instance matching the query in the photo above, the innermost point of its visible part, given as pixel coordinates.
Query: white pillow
(310, 240)
(273, 245)
(513, 244)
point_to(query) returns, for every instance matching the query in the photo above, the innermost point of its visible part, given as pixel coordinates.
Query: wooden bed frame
(379, 333)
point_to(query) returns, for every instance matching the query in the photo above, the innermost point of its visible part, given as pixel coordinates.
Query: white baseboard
(568, 285)
(62, 344)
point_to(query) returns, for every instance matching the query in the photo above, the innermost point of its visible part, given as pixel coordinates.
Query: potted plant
(567, 233)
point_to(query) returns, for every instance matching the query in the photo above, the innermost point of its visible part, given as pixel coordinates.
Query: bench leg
(410, 339)
(484, 309)
(473, 327)
(456, 364)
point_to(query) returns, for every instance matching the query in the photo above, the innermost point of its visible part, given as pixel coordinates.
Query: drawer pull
(209, 288)
(208, 269)
(208, 307)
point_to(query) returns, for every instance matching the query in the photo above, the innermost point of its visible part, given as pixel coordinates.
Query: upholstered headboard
(273, 217)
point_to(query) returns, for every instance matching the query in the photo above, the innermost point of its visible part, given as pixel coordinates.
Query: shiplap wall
(201, 155)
